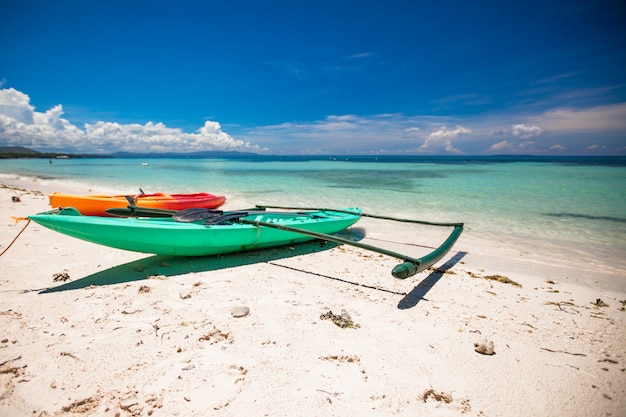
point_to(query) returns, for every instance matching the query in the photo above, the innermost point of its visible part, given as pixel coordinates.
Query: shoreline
(139, 334)
(574, 264)
(504, 223)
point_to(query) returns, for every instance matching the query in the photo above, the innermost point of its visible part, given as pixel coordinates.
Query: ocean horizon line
(26, 153)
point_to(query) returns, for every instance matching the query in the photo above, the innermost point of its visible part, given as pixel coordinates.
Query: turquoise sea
(566, 202)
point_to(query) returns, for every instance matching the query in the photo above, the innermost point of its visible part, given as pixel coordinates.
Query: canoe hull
(96, 204)
(164, 236)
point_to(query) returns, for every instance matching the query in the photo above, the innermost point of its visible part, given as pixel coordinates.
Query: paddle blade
(405, 270)
(191, 215)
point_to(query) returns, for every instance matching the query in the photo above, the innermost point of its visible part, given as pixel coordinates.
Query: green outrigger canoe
(201, 232)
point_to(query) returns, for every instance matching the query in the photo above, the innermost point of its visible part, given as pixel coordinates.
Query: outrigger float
(201, 232)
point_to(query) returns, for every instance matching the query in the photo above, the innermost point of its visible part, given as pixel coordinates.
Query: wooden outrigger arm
(408, 268)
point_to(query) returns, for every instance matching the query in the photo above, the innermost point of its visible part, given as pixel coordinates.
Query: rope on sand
(17, 219)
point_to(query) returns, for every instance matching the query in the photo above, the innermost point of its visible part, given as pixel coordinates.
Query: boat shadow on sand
(418, 293)
(161, 265)
(156, 265)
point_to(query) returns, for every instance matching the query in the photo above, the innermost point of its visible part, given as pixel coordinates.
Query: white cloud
(412, 130)
(444, 132)
(522, 131)
(16, 105)
(502, 146)
(333, 123)
(439, 140)
(360, 56)
(509, 147)
(438, 145)
(348, 134)
(610, 119)
(22, 125)
(560, 130)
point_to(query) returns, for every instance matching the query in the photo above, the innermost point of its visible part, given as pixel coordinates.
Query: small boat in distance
(97, 204)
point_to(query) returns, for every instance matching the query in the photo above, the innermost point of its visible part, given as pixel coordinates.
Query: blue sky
(315, 77)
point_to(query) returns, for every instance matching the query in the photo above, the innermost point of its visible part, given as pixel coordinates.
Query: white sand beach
(90, 330)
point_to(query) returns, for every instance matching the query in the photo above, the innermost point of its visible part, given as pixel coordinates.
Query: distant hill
(12, 152)
(16, 152)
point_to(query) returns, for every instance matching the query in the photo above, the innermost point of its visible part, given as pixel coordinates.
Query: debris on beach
(344, 320)
(241, 311)
(215, 336)
(71, 355)
(5, 368)
(562, 351)
(608, 360)
(561, 304)
(341, 358)
(61, 276)
(437, 396)
(441, 271)
(500, 278)
(503, 279)
(600, 303)
(485, 347)
(144, 289)
(16, 199)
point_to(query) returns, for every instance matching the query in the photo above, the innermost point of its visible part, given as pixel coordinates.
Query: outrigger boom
(408, 268)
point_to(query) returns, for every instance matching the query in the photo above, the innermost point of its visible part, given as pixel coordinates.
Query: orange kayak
(96, 204)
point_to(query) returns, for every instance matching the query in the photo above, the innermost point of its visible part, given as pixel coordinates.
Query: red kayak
(96, 204)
